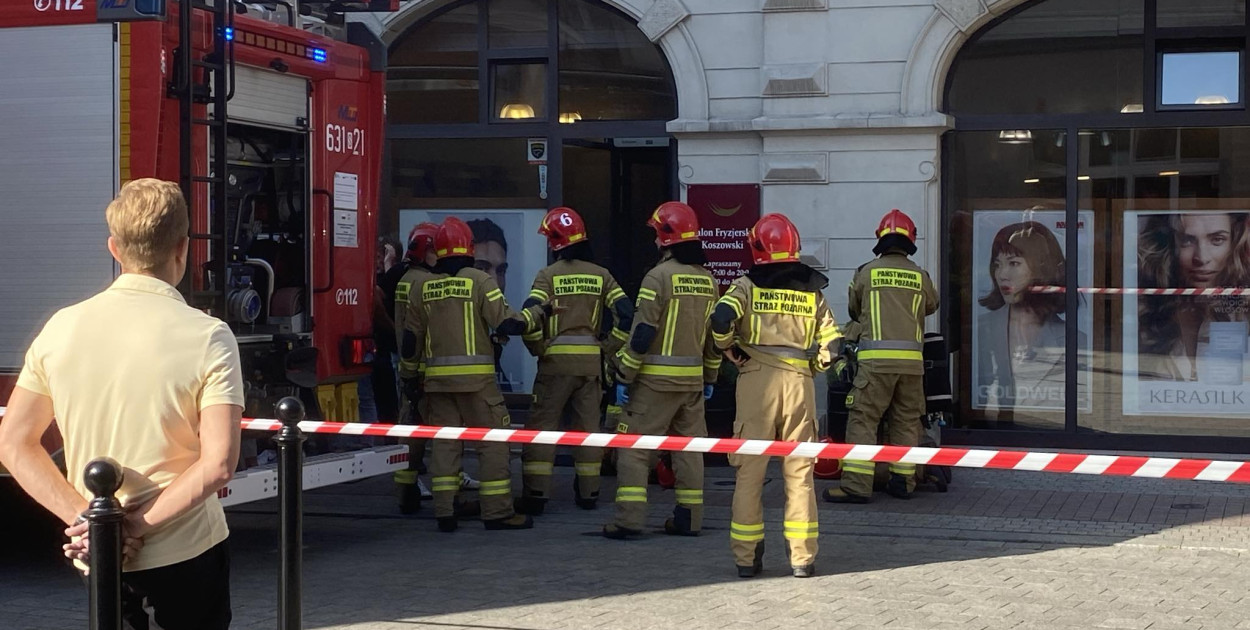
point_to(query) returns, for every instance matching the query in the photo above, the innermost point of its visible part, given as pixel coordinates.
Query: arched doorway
(1094, 183)
(501, 109)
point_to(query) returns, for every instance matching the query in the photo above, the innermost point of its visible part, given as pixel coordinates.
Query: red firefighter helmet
(421, 241)
(774, 239)
(454, 238)
(895, 222)
(828, 468)
(562, 227)
(674, 222)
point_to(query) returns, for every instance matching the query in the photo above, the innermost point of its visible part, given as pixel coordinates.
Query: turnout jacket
(571, 342)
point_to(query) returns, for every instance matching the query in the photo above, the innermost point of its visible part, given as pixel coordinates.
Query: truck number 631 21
(340, 139)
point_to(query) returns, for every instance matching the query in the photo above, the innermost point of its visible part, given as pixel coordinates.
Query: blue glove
(707, 391)
(622, 394)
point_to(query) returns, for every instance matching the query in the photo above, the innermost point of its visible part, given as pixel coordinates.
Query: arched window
(1095, 181)
(589, 61)
(498, 110)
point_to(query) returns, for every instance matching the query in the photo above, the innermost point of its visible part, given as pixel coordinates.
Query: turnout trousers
(774, 404)
(552, 395)
(480, 409)
(872, 395)
(652, 412)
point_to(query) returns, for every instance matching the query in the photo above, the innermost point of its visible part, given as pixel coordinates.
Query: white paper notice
(346, 191)
(345, 228)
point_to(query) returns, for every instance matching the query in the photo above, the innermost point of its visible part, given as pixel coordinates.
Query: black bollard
(290, 512)
(103, 477)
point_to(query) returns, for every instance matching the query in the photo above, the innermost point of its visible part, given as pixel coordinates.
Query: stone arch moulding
(663, 21)
(952, 23)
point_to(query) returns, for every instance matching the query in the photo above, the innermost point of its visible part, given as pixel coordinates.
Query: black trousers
(190, 595)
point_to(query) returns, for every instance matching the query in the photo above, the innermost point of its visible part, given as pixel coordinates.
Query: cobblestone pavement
(1000, 550)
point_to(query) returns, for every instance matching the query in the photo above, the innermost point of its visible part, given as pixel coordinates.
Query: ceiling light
(1082, 178)
(516, 111)
(1033, 181)
(1215, 99)
(1015, 136)
(569, 118)
(1133, 108)
(1169, 173)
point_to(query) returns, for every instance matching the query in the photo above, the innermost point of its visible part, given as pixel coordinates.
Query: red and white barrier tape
(1215, 292)
(1076, 463)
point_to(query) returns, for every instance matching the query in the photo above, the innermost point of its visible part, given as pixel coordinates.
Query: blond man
(135, 374)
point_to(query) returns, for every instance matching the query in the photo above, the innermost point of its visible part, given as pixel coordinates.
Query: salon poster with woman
(1185, 355)
(1019, 339)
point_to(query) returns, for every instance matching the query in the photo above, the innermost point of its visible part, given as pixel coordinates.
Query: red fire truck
(275, 134)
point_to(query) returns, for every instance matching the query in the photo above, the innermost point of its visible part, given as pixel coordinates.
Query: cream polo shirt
(128, 372)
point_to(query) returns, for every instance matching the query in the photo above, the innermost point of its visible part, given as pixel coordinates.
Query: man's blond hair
(147, 220)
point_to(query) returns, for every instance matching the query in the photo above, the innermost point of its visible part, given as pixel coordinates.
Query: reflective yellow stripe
(690, 497)
(614, 295)
(672, 370)
(409, 366)
(829, 334)
(459, 370)
(538, 294)
(573, 350)
(646, 294)
(756, 327)
(875, 308)
(588, 469)
(903, 469)
(711, 364)
(445, 484)
(623, 335)
(469, 347)
(719, 338)
(495, 488)
(802, 530)
(537, 335)
(406, 477)
(858, 466)
(529, 319)
(670, 327)
(631, 494)
(628, 359)
(747, 533)
(494, 295)
(733, 304)
(906, 355)
(537, 468)
(809, 333)
(915, 312)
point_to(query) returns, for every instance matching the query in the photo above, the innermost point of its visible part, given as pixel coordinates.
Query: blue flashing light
(229, 34)
(319, 55)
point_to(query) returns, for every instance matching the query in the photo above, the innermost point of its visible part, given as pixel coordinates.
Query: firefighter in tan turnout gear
(889, 299)
(421, 260)
(665, 373)
(454, 317)
(774, 324)
(570, 361)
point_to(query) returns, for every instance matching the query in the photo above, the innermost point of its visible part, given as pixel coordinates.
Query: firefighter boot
(516, 521)
(897, 487)
(838, 495)
(757, 566)
(679, 524)
(616, 532)
(805, 571)
(529, 505)
(408, 490)
(586, 503)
